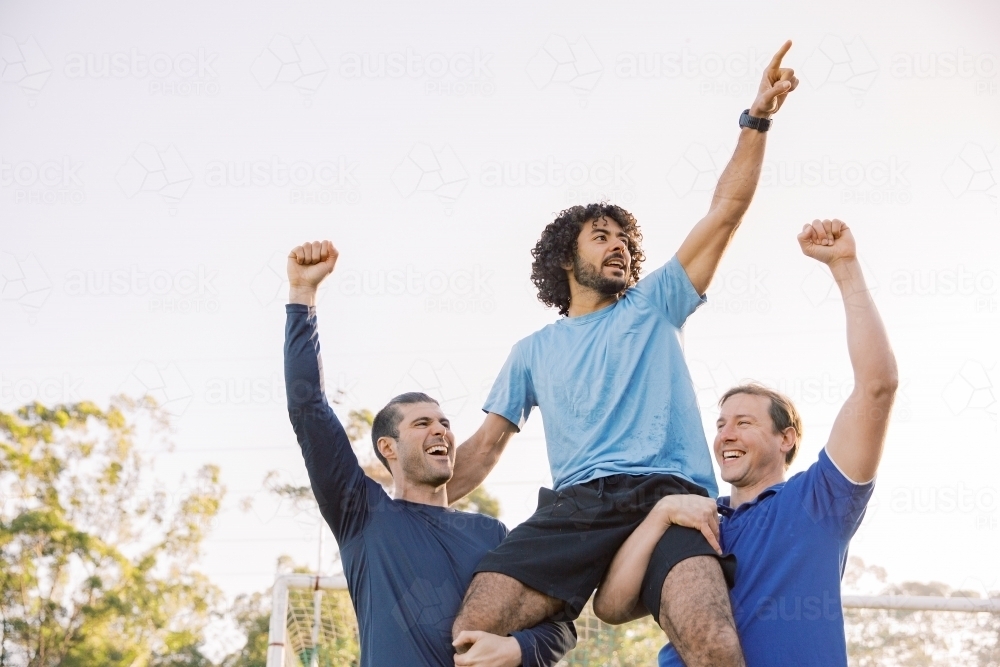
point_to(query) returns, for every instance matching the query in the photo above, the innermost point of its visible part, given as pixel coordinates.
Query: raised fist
(827, 241)
(776, 83)
(309, 263)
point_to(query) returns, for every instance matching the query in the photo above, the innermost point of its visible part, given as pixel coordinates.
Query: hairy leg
(696, 614)
(500, 604)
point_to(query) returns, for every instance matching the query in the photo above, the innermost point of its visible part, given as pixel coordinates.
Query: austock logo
(183, 291)
(54, 181)
(321, 181)
(839, 62)
(425, 170)
(149, 170)
(561, 62)
(974, 171)
(25, 282)
(50, 390)
(459, 74)
(971, 390)
(283, 61)
(429, 606)
(163, 383)
(182, 74)
(441, 382)
(459, 291)
(24, 64)
(698, 169)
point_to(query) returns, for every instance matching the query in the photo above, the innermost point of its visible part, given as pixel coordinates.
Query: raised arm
(476, 457)
(337, 479)
(617, 600)
(702, 250)
(858, 433)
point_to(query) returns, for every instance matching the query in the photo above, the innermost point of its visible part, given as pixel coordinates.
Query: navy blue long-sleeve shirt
(407, 564)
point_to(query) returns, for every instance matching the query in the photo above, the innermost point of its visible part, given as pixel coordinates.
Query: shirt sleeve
(512, 395)
(832, 499)
(545, 644)
(342, 489)
(669, 288)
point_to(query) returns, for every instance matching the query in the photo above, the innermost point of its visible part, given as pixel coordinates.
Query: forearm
(617, 597)
(472, 465)
(872, 360)
(738, 181)
(545, 644)
(477, 456)
(702, 250)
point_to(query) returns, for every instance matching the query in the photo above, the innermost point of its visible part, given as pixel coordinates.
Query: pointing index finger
(776, 60)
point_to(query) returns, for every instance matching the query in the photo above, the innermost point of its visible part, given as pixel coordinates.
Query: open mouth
(732, 455)
(616, 264)
(438, 450)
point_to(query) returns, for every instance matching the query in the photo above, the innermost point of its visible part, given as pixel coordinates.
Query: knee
(726, 649)
(460, 625)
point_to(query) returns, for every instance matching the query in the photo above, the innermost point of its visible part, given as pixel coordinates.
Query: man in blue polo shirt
(790, 537)
(407, 559)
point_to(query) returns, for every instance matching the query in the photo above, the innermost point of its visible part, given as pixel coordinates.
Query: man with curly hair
(622, 424)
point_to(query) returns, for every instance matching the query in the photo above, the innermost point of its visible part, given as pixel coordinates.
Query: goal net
(313, 625)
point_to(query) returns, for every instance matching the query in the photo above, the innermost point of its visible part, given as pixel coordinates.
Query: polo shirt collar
(727, 511)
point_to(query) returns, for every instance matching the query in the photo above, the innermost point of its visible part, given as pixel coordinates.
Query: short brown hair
(783, 412)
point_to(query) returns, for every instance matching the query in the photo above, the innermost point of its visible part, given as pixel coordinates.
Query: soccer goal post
(313, 623)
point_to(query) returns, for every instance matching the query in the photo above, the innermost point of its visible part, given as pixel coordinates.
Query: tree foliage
(97, 562)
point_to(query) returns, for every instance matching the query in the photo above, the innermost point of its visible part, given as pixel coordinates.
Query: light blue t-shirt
(613, 387)
(791, 545)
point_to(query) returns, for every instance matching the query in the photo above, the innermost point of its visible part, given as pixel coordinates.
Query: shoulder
(482, 524)
(826, 471)
(541, 338)
(659, 278)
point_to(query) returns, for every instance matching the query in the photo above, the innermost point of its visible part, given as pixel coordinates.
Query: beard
(592, 278)
(416, 470)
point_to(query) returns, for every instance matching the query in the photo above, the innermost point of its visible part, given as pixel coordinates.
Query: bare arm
(617, 600)
(858, 433)
(476, 457)
(702, 250)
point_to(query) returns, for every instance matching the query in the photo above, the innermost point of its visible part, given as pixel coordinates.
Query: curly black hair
(557, 247)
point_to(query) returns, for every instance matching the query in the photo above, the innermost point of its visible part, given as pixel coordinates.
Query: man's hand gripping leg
(501, 605)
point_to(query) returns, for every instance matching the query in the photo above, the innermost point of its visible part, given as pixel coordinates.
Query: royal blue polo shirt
(791, 545)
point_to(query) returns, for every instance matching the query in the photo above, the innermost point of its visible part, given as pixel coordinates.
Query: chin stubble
(587, 276)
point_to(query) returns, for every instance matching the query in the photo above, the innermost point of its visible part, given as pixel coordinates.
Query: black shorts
(564, 548)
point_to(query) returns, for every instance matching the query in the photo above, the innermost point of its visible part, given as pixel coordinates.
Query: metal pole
(922, 603)
(317, 619)
(276, 634)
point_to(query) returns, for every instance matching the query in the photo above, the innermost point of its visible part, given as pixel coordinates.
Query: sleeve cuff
(297, 308)
(844, 474)
(518, 423)
(524, 640)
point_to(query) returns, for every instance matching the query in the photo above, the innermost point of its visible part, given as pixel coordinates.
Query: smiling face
(747, 448)
(424, 452)
(602, 261)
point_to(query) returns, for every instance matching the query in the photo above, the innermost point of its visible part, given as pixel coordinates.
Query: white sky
(893, 129)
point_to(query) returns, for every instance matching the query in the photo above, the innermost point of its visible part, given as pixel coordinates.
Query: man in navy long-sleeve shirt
(408, 559)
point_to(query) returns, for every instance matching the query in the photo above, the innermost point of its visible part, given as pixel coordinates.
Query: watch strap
(754, 122)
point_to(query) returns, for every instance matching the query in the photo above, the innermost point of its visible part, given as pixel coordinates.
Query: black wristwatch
(754, 123)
